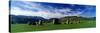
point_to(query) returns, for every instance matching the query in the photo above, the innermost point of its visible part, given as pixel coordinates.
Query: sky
(51, 10)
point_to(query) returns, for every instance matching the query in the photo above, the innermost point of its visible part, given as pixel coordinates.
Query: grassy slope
(26, 27)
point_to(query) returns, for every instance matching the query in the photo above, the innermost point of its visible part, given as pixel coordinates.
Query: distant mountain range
(25, 19)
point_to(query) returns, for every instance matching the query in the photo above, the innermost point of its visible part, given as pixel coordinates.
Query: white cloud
(31, 5)
(42, 11)
(18, 11)
(64, 10)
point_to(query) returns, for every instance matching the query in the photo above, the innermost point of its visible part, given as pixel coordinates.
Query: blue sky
(51, 10)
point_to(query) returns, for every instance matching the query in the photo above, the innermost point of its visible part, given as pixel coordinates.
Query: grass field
(29, 28)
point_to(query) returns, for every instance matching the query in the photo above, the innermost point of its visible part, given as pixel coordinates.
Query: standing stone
(40, 22)
(53, 21)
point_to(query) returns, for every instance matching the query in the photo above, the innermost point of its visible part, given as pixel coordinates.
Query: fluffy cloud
(18, 11)
(29, 8)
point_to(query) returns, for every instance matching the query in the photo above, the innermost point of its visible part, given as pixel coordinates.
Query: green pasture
(29, 28)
